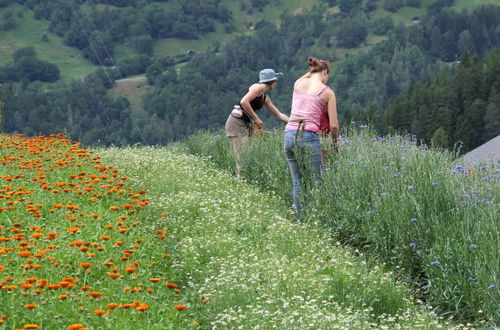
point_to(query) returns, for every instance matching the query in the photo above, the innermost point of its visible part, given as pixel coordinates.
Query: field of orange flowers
(79, 247)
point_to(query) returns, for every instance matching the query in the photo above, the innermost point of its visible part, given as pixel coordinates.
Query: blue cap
(268, 75)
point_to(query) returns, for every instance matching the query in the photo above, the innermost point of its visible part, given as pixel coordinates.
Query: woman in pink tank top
(312, 101)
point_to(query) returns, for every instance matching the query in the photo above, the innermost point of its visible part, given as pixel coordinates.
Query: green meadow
(29, 33)
(419, 211)
(154, 238)
(397, 236)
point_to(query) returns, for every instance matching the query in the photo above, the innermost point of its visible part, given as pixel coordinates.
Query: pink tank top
(308, 108)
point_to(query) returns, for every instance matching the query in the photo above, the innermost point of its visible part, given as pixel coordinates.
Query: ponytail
(316, 65)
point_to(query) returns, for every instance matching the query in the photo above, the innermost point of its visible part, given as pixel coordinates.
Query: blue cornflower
(465, 195)
(492, 286)
(410, 187)
(412, 245)
(454, 171)
(374, 139)
(486, 178)
(435, 183)
(434, 263)
(473, 246)
(470, 279)
(459, 167)
(474, 192)
(413, 219)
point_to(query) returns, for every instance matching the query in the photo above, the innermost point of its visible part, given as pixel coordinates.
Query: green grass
(432, 221)
(472, 4)
(176, 232)
(29, 33)
(241, 250)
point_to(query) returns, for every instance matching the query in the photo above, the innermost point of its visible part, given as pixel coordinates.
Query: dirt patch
(132, 89)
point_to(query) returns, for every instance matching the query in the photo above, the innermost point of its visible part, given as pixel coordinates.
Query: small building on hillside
(490, 151)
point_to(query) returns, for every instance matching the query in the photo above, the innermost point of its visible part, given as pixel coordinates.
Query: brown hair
(316, 65)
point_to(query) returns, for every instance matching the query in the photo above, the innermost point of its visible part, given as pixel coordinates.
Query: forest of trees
(437, 79)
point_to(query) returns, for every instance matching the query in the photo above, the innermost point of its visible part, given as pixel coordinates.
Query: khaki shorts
(236, 127)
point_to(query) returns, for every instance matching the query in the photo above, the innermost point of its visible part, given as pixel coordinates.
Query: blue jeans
(303, 154)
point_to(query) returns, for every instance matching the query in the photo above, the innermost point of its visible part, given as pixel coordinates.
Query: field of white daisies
(393, 238)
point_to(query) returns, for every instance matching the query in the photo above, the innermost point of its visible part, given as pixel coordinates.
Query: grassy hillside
(234, 253)
(434, 222)
(29, 32)
(150, 238)
(72, 64)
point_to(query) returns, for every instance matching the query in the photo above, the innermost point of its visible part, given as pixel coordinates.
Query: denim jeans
(303, 154)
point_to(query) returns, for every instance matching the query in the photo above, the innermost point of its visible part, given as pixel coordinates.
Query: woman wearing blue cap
(245, 114)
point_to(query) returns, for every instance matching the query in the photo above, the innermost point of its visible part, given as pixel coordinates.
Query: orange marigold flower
(142, 307)
(30, 306)
(114, 208)
(24, 254)
(99, 312)
(31, 326)
(95, 294)
(204, 301)
(85, 288)
(76, 326)
(85, 265)
(172, 285)
(180, 307)
(125, 306)
(62, 296)
(112, 305)
(73, 229)
(95, 216)
(154, 280)
(31, 279)
(51, 236)
(130, 270)
(105, 238)
(114, 275)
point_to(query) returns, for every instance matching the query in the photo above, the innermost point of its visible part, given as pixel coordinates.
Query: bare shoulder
(328, 94)
(257, 88)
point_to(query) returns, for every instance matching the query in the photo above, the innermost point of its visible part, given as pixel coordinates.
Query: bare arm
(254, 91)
(332, 114)
(275, 111)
